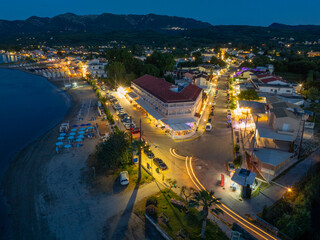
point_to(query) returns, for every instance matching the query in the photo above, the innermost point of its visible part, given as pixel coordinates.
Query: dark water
(29, 106)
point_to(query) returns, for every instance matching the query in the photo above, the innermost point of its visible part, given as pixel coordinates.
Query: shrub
(238, 161)
(236, 147)
(151, 211)
(152, 201)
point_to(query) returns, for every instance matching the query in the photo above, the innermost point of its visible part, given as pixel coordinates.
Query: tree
(115, 151)
(249, 95)
(116, 71)
(205, 200)
(151, 70)
(312, 93)
(164, 62)
(186, 192)
(216, 61)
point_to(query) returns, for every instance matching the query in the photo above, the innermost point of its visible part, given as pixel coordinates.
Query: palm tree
(205, 200)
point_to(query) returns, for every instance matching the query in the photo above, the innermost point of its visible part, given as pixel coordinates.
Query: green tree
(150, 69)
(186, 192)
(216, 61)
(205, 200)
(312, 93)
(164, 62)
(115, 151)
(116, 71)
(249, 95)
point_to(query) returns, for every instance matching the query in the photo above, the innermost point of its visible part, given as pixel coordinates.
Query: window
(288, 91)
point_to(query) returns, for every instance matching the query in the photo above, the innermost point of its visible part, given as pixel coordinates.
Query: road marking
(223, 207)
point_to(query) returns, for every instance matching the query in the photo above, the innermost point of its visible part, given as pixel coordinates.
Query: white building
(96, 68)
(168, 106)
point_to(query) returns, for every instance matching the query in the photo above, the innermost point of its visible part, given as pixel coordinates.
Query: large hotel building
(170, 107)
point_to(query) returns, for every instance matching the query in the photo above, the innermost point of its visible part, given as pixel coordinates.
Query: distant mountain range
(74, 29)
(105, 22)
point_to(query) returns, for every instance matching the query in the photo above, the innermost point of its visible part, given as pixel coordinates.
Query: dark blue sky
(216, 12)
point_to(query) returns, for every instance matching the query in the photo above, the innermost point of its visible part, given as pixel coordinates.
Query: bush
(237, 148)
(151, 211)
(152, 201)
(238, 161)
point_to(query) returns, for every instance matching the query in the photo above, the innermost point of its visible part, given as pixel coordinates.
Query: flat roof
(243, 177)
(271, 156)
(161, 89)
(266, 131)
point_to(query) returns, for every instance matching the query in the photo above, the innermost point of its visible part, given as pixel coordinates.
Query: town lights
(289, 190)
(121, 91)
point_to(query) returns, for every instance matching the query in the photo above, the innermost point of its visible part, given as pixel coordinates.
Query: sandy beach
(25, 179)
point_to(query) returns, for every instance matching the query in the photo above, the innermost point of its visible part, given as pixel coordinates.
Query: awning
(132, 95)
(179, 124)
(149, 109)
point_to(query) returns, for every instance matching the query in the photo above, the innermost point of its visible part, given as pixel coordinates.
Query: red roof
(266, 78)
(160, 88)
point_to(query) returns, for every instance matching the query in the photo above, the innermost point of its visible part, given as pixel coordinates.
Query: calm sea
(29, 106)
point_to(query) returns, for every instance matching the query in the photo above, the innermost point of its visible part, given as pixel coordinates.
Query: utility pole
(300, 147)
(139, 177)
(254, 141)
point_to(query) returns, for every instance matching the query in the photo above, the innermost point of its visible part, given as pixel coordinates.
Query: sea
(29, 106)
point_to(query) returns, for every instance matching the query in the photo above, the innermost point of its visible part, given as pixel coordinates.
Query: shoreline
(17, 157)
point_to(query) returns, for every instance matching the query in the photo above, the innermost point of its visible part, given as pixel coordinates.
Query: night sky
(222, 12)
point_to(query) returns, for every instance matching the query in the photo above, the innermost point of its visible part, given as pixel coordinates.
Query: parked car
(208, 127)
(149, 153)
(211, 113)
(135, 130)
(210, 120)
(124, 178)
(160, 163)
(231, 167)
(213, 103)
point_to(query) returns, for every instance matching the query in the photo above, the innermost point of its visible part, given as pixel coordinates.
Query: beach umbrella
(80, 136)
(88, 124)
(73, 130)
(71, 137)
(79, 140)
(90, 128)
(62, 134)
(82, 129)
(60, 138)
(82, 125)
(59, 143)
(74, 126)
(72, 133)
(81, 132)
(68, 146)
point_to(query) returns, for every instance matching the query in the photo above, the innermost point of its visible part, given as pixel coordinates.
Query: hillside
(106, 22)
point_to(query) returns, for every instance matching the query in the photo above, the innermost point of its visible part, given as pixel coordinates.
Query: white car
(208, 127)
(124, 178)
(214, 103)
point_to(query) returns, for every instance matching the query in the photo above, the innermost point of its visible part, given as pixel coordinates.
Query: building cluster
(275, 123)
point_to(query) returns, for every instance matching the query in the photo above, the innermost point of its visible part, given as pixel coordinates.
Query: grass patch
(133, 171)
(291, 77)
(256, 192)
(189, 223)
